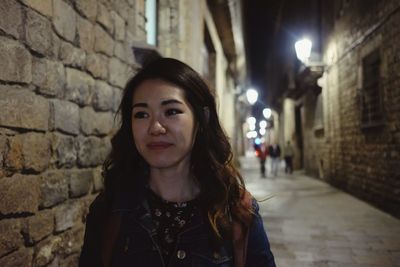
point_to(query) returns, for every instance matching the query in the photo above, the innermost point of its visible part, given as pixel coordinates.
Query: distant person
(274, 154)
(288, 154)
(262, 154)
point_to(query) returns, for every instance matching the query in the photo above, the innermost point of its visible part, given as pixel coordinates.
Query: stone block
(38, 32)
(104, 18)
(39, 226)
(67, 216)
(72, 56)
(80, 182)
(85, 34)
(21, 257)
(13, 160)
(35, 151)
(11, 18)
(23, 109)
(92, 151)
(98, 181)
(119, 72)
(49, 76)
(87, 8)
(79, 86)
(64, 20)
(3, 150)
(119, 26)
(65, 116)
(117, 97)
(65, 154)
(54, 188)
(13, 188)
(16, 61)
(70, 261)
(44, 7)
(46, 250)
(122, 8)
(103, 42)
(10, 238)
(124, 52)
(95, 123)
(102, 96)
(96, 65)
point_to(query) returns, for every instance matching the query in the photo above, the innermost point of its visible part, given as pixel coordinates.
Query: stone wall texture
(364, 162)
(62, 69)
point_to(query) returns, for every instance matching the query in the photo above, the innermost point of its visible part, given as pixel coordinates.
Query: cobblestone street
(310, 223)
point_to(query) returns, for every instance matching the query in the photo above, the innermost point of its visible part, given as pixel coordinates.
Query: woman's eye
(140, 115)
(171, 112)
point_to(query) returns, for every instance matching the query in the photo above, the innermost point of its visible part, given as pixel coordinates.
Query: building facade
(63, 66)
(341, 109)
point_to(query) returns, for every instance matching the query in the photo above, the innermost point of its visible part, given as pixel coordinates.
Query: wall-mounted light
(252, 96)
(267, 112)
(303, 49)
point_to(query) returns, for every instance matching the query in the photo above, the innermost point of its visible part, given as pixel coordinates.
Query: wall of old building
(63, 66)
(364, 162)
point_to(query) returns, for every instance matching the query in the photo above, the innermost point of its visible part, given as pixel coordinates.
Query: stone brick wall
(63, 66)
(362, 162)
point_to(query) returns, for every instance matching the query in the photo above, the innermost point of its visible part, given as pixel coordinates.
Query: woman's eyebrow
(137, 105)
(171, 101)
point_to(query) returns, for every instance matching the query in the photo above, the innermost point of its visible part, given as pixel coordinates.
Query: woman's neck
(174, 185)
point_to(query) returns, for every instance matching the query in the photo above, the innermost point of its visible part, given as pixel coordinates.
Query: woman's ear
(206, 111)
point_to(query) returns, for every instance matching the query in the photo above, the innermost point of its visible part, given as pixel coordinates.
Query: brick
(64, 20)
(79, 86)
(54, 188)
(38, 32)
(104, 18)
(102, 96)
(103, 42)
(44, 7)
(85, 34)
(23, 109)
(65, 116)
(35, 151)
(98, 184)
(39, 226)
(65, 153)
(16, 62)
(11, 18)
(11, 190)
(67, 216)
(119, 26)
(51, 84)
(46, 250)
(80, 182)
(119, 72)
(95, 64)
(95, 123)
(21, 257)
(72, 56)
(87, 8)
(92, 151)
(10, 238)
(13, 160)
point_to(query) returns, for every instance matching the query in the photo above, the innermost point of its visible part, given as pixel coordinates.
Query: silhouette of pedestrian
(288, 154)
(275, 154)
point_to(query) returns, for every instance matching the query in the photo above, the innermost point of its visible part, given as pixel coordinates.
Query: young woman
(172, 196)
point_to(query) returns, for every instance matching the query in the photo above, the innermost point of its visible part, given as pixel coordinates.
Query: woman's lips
(158, 145)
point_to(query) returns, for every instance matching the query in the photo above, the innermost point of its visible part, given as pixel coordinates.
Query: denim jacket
(136, 241)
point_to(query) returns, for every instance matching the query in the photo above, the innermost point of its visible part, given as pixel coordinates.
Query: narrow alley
(310, 223)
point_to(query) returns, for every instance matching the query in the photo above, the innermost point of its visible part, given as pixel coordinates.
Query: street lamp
(252, 96)
(267, 112)
(303, 49)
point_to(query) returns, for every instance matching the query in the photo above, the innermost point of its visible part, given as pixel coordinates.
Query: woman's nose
(157, 128)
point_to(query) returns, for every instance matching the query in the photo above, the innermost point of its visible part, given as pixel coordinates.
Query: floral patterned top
(170, 219)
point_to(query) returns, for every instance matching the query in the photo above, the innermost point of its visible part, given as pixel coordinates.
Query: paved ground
(310, 223)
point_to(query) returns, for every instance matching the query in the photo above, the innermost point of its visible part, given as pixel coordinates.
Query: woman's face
(163, 124)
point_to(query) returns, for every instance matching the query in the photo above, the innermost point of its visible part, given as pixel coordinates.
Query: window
(371, 95)
(151, 21)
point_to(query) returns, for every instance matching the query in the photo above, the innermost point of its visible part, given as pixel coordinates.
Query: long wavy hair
(221, 185)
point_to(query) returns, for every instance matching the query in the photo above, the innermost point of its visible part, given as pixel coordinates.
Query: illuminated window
(151, 21)
(371, 92)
